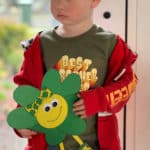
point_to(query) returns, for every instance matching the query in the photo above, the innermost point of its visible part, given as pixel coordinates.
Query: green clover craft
(49, 110)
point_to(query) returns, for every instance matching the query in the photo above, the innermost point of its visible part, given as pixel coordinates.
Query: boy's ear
(95, 3)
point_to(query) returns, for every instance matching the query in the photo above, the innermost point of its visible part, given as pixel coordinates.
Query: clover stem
(61, 146)
(78, 139)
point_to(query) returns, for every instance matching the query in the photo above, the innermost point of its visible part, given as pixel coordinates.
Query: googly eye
(47, 107)
(54, 103)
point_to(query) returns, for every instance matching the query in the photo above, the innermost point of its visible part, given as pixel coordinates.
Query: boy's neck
(73, 30)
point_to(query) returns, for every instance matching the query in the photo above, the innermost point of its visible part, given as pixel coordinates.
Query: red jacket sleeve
(119, 84)
(31, 72)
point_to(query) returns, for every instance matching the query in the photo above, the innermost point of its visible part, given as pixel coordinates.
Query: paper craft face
(54, 109)
(50, 110)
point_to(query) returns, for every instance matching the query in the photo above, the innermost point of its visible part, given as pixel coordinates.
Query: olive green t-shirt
(88, 55)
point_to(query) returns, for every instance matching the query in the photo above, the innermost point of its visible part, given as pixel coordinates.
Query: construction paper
(49, 110)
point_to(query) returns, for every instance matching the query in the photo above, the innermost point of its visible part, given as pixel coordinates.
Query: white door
(138, 113)
(137, 35)
(110, 14)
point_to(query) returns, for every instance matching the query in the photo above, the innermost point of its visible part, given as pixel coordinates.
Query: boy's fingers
(82, 114)
(79, 95)
(29, 134)
(26, 133)
(79, 108)
(79, 102)
(28, 137)
(33, 132)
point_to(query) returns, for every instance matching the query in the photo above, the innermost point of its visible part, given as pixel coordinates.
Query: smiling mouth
(57, 117)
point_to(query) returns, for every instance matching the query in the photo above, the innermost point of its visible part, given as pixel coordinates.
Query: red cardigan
(111, 97)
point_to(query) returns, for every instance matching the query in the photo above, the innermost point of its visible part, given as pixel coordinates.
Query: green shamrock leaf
(20, 119)
(25, 95)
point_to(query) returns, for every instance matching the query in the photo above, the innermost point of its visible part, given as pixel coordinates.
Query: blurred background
(19, 20)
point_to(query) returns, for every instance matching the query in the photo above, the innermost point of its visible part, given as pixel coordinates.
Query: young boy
(103, 62)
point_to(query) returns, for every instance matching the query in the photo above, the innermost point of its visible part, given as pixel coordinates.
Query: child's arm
(119, 85)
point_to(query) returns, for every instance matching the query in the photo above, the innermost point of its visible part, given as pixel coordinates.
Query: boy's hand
(26, 133)
(79, 108)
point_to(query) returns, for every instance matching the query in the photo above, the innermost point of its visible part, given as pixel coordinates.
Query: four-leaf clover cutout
(49, 110)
